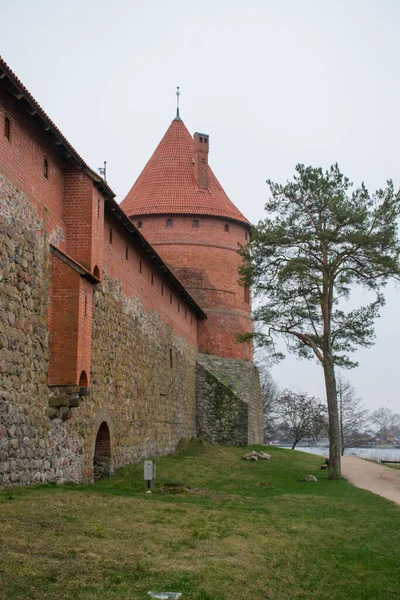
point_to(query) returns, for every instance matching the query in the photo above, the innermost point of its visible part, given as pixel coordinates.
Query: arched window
(227, 227)
(169, 222)
(96, 272)
(83, 380)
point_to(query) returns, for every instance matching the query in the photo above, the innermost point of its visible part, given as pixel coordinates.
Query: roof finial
(177, 118)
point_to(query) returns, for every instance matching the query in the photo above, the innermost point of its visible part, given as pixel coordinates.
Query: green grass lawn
(229, 539)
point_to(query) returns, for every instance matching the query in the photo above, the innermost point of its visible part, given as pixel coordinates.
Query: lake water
(371, 453)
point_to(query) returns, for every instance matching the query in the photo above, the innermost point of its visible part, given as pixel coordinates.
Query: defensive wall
(98, 336)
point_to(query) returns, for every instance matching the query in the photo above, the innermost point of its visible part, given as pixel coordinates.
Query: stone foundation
(228, 397)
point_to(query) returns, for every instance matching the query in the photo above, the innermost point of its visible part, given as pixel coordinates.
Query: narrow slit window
(46, 168)
(185, 313)
(170, 358)
(246, 236)
(162, 289)
(85, 306)
(226, 228)
(98, 207)
(111, 235)
(191, 319)
(152, 279)
(195, 223)
(126, 252)
(140, 266)
(170, 298)
(7, 128)
(139, 224)
(169, 222)
(179, 307)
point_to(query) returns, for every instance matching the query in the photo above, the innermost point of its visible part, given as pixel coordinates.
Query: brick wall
(22, 161)
(139, 276)
(206, 260)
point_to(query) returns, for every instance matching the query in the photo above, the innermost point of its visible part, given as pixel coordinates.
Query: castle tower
(181, 208)
(183, 211)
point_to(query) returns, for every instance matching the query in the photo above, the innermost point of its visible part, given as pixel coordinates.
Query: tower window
(185, 313)
(226, 227)
(246, 236)
(46, 168)
(152, 279)
(126, 252)
(110, 235)
(170, 358)
(85, 306)
(195, 223)
(170, 298)
(169, 222)
(205, 140)
(179, 307)
(139, 224)
(162, 289)
(140, 266)
(98, 207)
(201, 139)
(7, 128)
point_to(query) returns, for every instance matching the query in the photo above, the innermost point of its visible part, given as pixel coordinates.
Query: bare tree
(386, 420)
(270, 397)
(300, 416)
(353, 417)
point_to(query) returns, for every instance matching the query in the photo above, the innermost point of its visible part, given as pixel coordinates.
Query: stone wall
(222, 417)
(142, 376)
(32, 448)
(228, 397)
(147, 404)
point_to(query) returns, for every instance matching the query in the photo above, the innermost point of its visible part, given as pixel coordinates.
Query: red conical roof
(167, 184)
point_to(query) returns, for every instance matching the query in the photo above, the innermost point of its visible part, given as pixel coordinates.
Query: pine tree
(317, 244)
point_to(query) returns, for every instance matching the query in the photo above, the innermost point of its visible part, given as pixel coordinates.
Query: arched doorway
(102, 453)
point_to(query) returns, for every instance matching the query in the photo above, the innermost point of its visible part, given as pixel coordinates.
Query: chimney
(201, 142)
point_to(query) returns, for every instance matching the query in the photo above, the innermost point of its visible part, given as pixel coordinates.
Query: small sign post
(149, 472)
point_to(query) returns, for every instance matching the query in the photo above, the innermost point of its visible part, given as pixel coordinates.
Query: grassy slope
(232, 539)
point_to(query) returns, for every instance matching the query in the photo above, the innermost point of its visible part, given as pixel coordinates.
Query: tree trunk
(294, 444)
(333, 413)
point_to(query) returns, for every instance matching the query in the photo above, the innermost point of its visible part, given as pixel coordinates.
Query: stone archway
(102, 453)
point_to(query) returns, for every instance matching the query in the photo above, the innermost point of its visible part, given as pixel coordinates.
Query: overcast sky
(272, 82)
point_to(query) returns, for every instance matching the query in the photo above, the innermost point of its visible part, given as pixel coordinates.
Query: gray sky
(273, 82)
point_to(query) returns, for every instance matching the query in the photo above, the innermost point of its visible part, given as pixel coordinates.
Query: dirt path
(373, 477)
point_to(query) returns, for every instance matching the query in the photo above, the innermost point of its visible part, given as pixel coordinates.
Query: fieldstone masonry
(228, 399)
(48, 433)
(32, 447)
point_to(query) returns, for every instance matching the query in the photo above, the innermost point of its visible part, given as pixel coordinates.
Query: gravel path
(373, 477)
